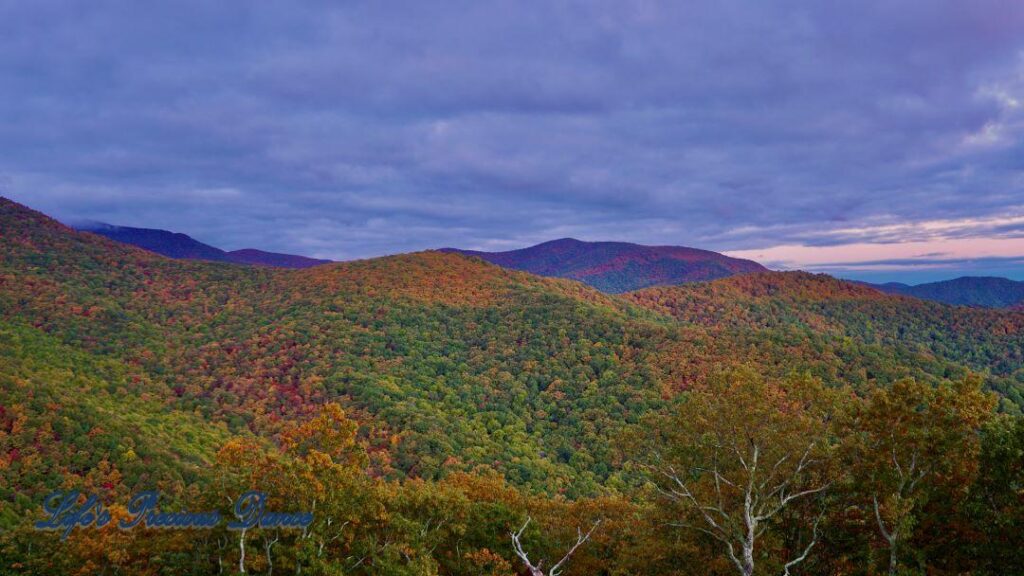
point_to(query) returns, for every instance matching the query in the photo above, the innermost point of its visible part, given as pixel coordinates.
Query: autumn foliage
(424, 405)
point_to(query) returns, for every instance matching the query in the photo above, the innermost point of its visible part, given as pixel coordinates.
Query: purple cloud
(357, 129)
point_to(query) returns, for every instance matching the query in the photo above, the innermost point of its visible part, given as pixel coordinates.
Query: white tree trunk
(241, 552)
(536, 570)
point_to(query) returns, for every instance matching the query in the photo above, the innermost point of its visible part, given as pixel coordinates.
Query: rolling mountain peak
(979, 291)
(617, 267)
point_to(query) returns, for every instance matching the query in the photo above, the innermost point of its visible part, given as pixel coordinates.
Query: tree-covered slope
(73, 419)
(398, 396)
(450, 362)
(819, 315)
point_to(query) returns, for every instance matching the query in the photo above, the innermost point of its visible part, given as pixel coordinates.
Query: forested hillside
(427, 403)
(460, 363)
(866, 333)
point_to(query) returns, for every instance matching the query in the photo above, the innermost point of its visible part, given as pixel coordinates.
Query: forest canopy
(425, 406)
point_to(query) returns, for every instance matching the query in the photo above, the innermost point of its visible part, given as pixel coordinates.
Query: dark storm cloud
(355, 129)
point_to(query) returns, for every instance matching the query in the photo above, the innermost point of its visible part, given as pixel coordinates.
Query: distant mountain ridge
(617, 267)
(277, 259)
(183, 246)
(981, 291)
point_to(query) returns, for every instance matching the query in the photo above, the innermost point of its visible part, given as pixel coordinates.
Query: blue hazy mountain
(183, 246)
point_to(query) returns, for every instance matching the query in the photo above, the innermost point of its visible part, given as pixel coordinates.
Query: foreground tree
(319, 467)
(537, 569)
(911, 442)
(996, 504)
(737, 453)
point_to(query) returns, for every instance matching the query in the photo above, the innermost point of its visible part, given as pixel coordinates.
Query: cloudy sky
(872, 139)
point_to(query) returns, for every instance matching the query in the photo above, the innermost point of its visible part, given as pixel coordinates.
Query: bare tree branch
(807, 550)
(580, 539)
(536, 570)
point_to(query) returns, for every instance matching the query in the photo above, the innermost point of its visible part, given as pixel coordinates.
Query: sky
(880, 140)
